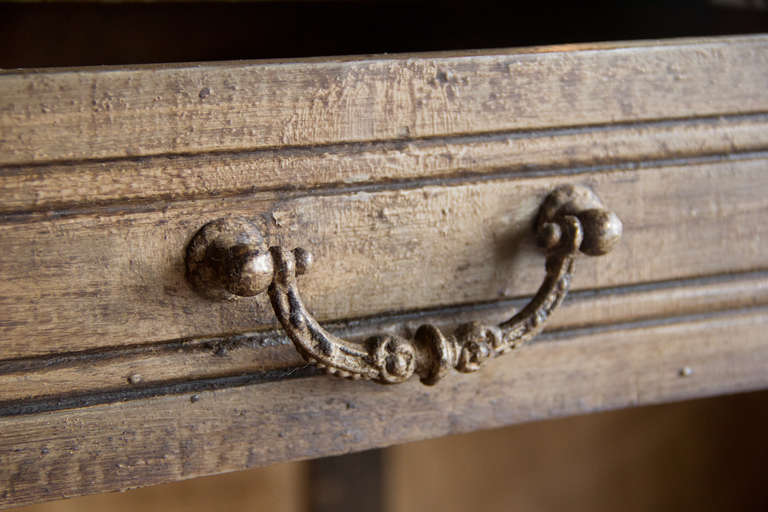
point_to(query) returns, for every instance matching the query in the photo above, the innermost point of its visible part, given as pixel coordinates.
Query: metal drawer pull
(229, 258)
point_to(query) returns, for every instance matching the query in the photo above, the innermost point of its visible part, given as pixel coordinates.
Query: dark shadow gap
(71, 34)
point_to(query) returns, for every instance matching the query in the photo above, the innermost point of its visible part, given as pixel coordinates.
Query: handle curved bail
(571, 219)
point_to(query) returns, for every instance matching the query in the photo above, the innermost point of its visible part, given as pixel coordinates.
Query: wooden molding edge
(66, 381)
(132, 444)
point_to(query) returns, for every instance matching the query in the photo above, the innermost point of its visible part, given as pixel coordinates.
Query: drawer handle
(571, 219)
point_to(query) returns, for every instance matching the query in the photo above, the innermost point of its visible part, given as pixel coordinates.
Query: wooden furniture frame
(414, 180)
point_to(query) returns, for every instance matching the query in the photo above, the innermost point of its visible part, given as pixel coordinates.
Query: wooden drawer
(415, 181)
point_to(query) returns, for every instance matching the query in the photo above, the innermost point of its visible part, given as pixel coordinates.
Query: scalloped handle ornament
(229, 258)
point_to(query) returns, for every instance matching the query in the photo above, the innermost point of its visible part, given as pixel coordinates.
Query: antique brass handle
(229, 257)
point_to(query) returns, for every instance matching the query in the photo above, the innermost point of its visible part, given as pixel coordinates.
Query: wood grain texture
(122, 112)
(117, 278)
(414, 180)
(86, 185)
(124, 445)
(44, 380)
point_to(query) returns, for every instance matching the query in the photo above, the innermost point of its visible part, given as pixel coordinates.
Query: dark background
(71, 34)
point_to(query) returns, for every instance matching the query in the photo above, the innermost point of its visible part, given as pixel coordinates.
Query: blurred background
(703, 455)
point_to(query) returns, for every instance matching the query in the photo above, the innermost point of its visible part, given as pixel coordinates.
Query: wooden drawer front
(414, 181)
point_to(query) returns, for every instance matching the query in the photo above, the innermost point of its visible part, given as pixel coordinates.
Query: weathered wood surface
(123, 445)
(83, 186)
(119, 112)
(116, 278)
(40, 383)
(414, 182)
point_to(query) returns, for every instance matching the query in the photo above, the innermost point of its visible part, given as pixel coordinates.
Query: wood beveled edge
(37, 191)
(195, 365)
(601, 46)
(132, 444)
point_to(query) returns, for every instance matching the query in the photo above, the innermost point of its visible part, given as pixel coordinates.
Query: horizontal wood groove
(100, 281)
(355, 147)
(140, 442)
(92, 113)
(147, 183)
(61, 381)
(721, 292)
(57, 402)
(107, 396)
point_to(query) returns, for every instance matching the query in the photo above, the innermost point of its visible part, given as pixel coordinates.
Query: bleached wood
(85, 185)
(83, 114)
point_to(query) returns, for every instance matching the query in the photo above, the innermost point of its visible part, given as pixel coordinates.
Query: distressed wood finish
(114, 112)
(414, 181)
(117, 278)
(83, 186)
(39, 383)
(124, 445)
